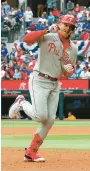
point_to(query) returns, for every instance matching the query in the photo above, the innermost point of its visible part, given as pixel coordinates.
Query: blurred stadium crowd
(19, 63)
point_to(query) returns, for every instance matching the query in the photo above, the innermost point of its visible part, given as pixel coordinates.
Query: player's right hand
(53, 28)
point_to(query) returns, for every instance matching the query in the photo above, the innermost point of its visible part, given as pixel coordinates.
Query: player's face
(66, 29)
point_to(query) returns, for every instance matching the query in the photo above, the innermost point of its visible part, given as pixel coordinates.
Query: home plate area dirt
(56, 160)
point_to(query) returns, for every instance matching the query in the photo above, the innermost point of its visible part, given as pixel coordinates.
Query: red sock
(35, 144)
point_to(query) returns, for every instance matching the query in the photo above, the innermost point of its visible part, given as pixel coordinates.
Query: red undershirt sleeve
(34, 36)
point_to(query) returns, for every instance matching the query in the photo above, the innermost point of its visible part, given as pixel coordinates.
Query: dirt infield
(53, 131)
(56, 160)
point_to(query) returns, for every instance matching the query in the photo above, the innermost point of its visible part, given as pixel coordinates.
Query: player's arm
(34, 36)
(38, 36)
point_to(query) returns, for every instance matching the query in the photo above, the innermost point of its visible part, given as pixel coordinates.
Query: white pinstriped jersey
(51, 57)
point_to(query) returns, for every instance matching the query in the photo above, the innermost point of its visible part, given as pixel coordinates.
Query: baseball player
(57, 57)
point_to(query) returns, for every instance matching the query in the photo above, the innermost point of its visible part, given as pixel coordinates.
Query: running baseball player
(57, 57)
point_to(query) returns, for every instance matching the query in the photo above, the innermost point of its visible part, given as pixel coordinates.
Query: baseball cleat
(33, 158)
(15, 107)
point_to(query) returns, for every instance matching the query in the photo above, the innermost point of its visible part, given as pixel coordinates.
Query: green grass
(79, 142)
(52, 141)
(25, 123)
(49, 137)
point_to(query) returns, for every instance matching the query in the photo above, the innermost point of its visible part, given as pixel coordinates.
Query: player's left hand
(69, 69)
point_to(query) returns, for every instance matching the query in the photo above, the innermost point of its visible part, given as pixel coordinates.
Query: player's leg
(40, 99)
(52, 108)
(46, 126)
(38, 110)
(15, 108)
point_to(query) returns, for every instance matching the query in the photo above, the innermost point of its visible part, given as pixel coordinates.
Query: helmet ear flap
(73, 28)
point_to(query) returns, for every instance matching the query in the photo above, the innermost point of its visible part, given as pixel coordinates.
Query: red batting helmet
(69, 19)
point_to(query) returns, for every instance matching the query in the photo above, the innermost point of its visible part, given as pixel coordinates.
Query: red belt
(47, 76)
